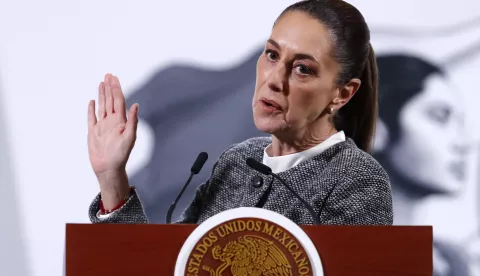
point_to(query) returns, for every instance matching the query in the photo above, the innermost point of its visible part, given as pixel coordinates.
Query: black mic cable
(196, 167)
(262, 168)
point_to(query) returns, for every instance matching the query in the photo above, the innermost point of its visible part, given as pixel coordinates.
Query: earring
(330, 110)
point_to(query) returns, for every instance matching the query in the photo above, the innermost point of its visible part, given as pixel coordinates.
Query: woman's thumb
(132, 122)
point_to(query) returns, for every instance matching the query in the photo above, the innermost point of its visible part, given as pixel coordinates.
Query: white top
(285, 162)
(282, 163)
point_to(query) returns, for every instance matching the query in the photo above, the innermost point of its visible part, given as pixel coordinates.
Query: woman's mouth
(270, 105)
(458, 170)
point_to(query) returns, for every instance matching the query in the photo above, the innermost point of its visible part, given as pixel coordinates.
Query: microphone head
(199, 162)
(259, 167)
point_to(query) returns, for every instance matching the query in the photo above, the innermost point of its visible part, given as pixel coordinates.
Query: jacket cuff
(130, 213)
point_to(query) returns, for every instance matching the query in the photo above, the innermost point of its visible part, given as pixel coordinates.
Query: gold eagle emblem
(250, 255)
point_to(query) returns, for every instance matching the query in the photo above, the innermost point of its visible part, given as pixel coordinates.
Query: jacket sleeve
(365, 200)
(130, 213)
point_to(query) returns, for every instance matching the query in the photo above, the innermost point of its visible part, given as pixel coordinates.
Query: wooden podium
(152, 249)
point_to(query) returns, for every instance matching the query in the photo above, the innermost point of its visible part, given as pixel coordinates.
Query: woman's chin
(452, 188)
(443, 187)
(269, 125)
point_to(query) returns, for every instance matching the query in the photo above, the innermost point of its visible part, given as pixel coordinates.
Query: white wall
(53, 54)
(13, 256)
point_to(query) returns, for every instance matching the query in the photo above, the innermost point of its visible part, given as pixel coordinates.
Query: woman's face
(295, 76)
(433, 144)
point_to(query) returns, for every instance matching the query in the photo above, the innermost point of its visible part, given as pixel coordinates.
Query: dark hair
(352, 50)
(402, 78)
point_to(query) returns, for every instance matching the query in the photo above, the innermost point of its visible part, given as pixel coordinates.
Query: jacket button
(257, 182)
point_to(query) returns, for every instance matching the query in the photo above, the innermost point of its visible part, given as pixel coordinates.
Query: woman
(424, 147)
(426, 142)
(316, 94)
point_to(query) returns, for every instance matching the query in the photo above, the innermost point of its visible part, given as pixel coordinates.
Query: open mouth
(270, 104)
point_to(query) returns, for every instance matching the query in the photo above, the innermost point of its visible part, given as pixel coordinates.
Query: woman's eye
(440, 114)
(303, 70)
(271, 55)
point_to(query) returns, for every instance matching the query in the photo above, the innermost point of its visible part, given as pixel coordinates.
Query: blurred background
(191, 66)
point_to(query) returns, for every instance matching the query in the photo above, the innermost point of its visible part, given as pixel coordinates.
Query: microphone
(264, 169)
(196, 167)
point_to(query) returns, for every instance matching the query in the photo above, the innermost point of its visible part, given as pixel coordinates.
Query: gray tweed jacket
(345, 186)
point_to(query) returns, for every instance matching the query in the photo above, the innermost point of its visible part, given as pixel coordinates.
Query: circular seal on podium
(248, 241)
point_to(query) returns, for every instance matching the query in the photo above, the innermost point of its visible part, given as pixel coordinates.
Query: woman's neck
(405, 205)
(283, 144)
(407, 195)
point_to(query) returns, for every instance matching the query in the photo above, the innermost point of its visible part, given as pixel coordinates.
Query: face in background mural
(427, 142)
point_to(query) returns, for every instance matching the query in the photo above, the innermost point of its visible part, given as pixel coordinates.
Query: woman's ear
(345, 93)
(381, 138)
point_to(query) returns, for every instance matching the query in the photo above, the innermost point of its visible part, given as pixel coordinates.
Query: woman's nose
(461, 148)
(463, 140)
(462, 144)
(278, 78)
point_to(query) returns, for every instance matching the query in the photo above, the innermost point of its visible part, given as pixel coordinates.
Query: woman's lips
(458, 169)
(270, 105)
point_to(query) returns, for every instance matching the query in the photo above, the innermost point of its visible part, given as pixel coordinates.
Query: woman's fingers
(92, 118)
(101, 101)
(118, 97)
(110, 98)
(108, 95)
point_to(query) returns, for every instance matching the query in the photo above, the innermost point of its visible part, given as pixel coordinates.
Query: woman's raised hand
(111, 137)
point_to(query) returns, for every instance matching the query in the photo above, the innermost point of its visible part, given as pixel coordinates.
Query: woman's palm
(111, 137)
